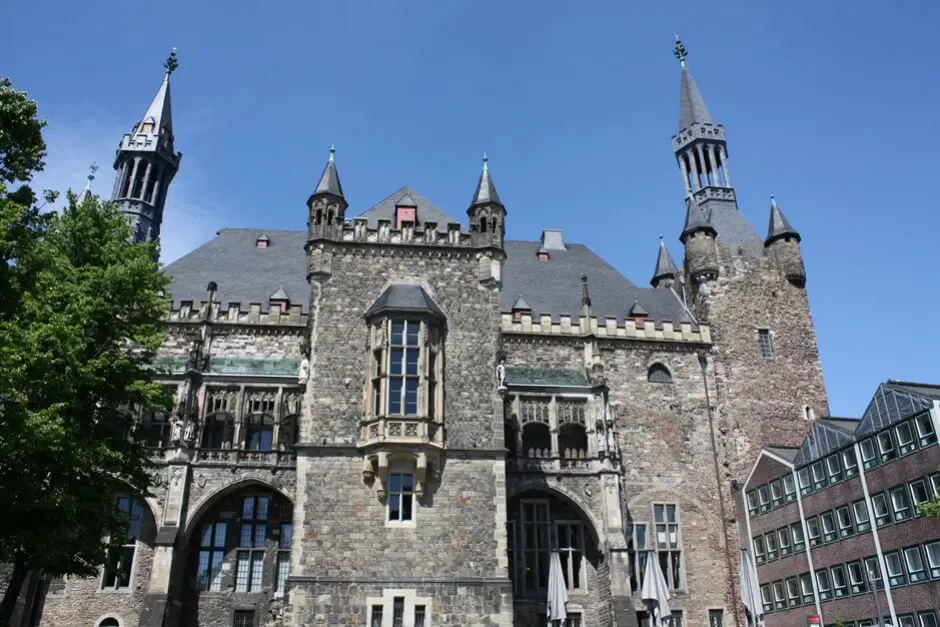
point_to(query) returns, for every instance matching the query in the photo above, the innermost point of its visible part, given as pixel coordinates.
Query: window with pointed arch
(539, 525)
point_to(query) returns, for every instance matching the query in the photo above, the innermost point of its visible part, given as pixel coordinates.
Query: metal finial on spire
(91, 174)
(171, 62)
(680, 52)
(332, 151)
(485, 162)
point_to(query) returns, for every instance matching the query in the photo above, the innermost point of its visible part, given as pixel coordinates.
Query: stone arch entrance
(540, 521)
(235, 557)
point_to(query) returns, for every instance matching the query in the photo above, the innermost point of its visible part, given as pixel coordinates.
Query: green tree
(931, 509)
(80, 312)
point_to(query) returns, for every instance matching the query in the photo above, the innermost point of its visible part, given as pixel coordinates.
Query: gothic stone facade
(392, 419)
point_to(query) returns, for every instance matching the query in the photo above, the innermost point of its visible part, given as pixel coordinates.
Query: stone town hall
(390, 417)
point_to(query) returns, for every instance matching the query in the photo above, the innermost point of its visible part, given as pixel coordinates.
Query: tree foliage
(80, 312)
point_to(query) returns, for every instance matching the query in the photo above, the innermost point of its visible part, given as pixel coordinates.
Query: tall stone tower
(751, 292)
(146, 162)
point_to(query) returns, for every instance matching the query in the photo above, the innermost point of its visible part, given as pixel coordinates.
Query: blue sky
(832, 106)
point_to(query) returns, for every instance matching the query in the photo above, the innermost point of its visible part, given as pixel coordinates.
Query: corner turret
(698, 236)
(487, 213)
(664, 275)
(783, 246)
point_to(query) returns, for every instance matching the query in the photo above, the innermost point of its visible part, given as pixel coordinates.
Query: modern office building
(826, 521)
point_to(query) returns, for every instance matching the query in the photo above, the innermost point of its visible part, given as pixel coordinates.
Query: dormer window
(519, 308)
(406, 210)
(542, 255)
(638, 314)
(279, 299)
(262, 241)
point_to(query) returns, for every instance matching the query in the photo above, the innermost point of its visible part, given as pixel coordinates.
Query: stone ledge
(567, 326)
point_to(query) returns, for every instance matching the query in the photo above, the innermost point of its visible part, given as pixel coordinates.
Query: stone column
(701, 158)
(685, 175)
(553, 426)
(619, 558)
(130, 181)
(724, 163)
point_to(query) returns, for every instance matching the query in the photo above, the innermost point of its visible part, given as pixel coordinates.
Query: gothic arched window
(658, 373)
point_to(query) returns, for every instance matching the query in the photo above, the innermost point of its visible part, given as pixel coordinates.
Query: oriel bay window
(405, 354)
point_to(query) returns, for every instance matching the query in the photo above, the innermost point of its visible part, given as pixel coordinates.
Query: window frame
(858, 582)
(834, 472)
(783, 541)
(830, 532)
(804, 480)
(789, 488)
(806, 587)
(780, 594)
(849, 462)
(765, 345)
(914, 500)
(869, 450)
(799, 543)
(121, 569)
(776, 493)
(915, 575)
(825, 592)
(813, 539)
(674, 571)
(770, 541)
(760, 553)
(793, 591)
(211, 579)
(928, 435)
(820, 478)
(887, 454)
(864, 523)
(927, 614)
(843, 590)
(401, 494)
(896, 577)
(845, 530)
(909, 445)
(902, 493)
(881, 519)
(933, 560)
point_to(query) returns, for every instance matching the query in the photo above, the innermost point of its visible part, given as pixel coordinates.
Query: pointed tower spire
(779, 227)
(702, 155)
(329, 180)
(487, 213)
(665, 272)
(695, 221)
(91, 177)
(326, 206)
(485, 192)
(147, 161)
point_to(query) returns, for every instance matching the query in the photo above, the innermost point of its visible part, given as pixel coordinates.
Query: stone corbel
(421, 471)
(368, 471)
(382, 475)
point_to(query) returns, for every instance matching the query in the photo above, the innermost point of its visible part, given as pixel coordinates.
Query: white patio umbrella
(557, 592)
(750, 590)
(655, 590)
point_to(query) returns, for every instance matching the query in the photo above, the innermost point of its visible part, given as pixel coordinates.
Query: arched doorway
(540, 521)
(237, 556)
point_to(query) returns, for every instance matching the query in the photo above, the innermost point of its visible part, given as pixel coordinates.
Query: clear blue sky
(832, 106)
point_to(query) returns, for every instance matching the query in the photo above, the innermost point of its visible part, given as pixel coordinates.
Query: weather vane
(680, 51)
(485, 161)
(332, 151)
(91, 172)
(171, 63)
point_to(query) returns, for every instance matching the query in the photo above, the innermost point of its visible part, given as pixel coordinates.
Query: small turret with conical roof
(783, 246)
(664, 275)
(698, 236)
(327, 205)
(487, 213)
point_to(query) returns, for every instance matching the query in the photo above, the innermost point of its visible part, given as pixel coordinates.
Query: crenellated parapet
(428, 234)
(610, 328)
(187, 311)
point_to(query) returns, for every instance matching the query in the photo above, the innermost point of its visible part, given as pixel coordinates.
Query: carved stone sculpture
(303, 371)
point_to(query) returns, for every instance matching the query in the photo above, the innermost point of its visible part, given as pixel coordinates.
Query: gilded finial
(485, 162)
(680, 52)
(171, 62)
(332, 152)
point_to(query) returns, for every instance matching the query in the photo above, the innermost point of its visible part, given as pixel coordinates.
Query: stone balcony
(559, 465)
(412, 431)
(242, 458)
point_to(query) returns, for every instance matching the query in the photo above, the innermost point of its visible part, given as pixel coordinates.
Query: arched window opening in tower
(139, 179)
(573, 441)
(536, 440)
(329, 217)
(126, 178)
(482, 225)
(109, 622)
(658, 373)
(151, 194)
(318, 216)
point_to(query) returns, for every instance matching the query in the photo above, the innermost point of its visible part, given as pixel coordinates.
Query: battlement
(570, 326)
(429, 234)
(714, 132)
(188, 311)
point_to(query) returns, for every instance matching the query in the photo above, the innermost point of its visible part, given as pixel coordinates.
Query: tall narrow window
(766, 346)
(420, 616)
(211, 554)
(571, 552)
(375, 617)
(398, 612)
(401, 487)
(638, 551)
(251, 545)
(117, 571)
(284, 542)
(668, 543)
(403, 368)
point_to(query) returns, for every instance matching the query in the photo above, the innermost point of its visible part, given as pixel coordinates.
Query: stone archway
(541, 520)
(234, 556)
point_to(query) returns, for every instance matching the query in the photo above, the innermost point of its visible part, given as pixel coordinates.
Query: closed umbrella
(750, 590)
(655, 591)
(557, 592)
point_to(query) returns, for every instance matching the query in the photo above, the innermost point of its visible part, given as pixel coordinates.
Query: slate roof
(426, 211)
(246, 274)
(160, 109)
(692, 109)
(404, 298)
(329, 180)
(665, 266)
(485, 192)
(779, 225)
